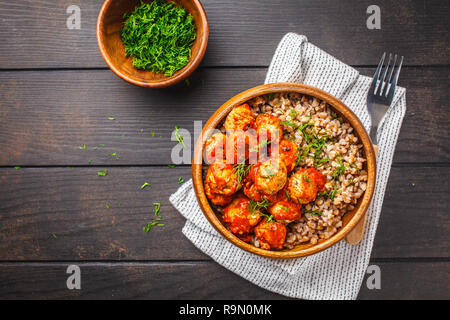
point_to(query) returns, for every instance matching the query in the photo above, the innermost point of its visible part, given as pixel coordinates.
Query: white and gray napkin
(336, 273)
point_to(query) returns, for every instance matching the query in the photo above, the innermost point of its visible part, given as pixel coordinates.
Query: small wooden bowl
(109, 24)
(350, 219)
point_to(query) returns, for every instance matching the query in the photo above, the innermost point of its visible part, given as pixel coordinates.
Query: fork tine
(377, 75)
(389, 78)
(394, 81)
(382, 80)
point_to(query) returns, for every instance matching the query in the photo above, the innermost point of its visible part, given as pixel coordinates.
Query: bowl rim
(244, 96)
(184, 72)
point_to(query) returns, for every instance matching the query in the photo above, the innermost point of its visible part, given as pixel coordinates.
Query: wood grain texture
(46, 115)
(70, 203)
(197, 280)
(241, 33)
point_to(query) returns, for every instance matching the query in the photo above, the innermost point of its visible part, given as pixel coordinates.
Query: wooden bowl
(350, 219)
(109, 23)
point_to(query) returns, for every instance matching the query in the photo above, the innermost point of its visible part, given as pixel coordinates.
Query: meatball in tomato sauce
(215, 198)
(271, 235)
(221, 178)
(268, 128)
(304, 185)
(240, 220)
(240, 118)
(285, 211)
(270, 176)
(288, 153)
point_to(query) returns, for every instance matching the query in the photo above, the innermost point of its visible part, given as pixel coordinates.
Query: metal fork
(379, 99)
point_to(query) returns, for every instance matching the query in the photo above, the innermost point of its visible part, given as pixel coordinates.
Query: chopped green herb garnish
(306, 178)
(146, 184)
(157, 220)
(180, 180)
(157, 208)
(101, 145)
(255, 207)
(17, 167)
(323, 194)
(290, 124)
(113, 154)
(287, 195)
(70, 167)
(241, 170)
(54, 235)
(171, 165)
(84, 147)
(111, 118)
(293, 113)
(159, 36)
(340, 170)
(314, 212)
(153, 134)
(107, 206)
(334, 192)
(179, 136)
(102, 173)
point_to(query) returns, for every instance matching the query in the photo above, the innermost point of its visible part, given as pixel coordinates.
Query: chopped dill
(159, 36)
(313, 212)
(146, 184)
(113, 154)
(178, 136)
(102, 173)
(340, 170)
(241, 170)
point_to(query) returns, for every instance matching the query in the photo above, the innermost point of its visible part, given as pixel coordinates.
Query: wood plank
(35, 35)
(60, 214)
(46, 116)
(205, 280)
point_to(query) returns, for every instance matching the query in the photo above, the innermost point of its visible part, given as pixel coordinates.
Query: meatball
(270, 176)
(221, 178)
(251, 192)
(304, 185)
(285, 211)
(268, 127)
(215, 147)
(217, 199)
(240, 220)
(288, 153)
(240, 118)
(271, 235)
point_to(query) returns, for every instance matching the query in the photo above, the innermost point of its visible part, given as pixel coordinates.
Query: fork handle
(356, 234)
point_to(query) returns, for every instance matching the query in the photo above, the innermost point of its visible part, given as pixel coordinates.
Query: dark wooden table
(56, 94)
